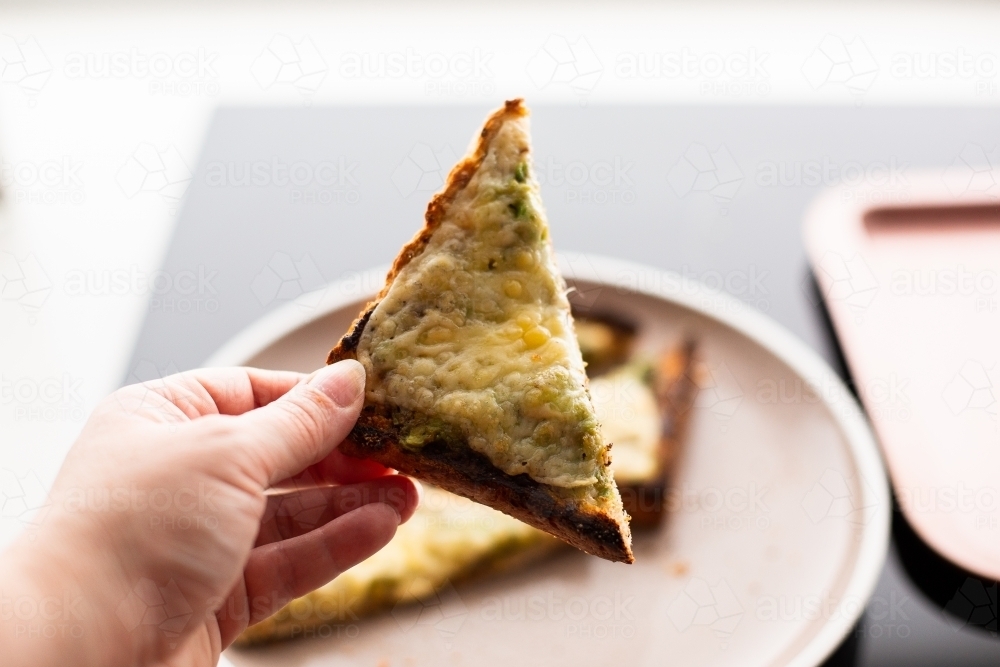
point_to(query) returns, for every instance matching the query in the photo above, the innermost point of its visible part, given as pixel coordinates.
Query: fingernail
(343, 382)
(399, 517)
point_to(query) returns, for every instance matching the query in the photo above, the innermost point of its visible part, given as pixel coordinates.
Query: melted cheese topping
(446, 538)
(446, 535)
(474, 341)
(630, 418)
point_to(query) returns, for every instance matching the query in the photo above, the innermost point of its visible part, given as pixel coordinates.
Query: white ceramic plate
(778, 526)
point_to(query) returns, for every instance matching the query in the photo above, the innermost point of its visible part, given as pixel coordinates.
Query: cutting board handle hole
(932, 218)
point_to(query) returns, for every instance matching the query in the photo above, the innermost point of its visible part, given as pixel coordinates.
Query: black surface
(745, 239)
(918, 591)
(968, 599)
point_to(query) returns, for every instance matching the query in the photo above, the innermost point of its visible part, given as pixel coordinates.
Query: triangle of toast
(475, 379)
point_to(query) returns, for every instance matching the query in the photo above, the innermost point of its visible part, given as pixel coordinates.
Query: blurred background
(113, 117)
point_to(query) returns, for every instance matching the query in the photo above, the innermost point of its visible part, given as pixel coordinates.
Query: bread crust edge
(465, 472)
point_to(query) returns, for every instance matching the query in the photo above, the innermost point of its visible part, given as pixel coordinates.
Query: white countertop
(103, 109)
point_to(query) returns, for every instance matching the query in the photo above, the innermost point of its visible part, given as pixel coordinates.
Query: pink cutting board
(913, 289)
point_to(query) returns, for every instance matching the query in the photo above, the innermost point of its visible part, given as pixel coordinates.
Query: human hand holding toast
(191, 507)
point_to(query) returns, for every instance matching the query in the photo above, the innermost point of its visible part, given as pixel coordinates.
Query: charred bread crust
(675, 389)
(465, 472)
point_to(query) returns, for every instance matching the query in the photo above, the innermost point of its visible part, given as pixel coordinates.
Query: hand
(174, 521)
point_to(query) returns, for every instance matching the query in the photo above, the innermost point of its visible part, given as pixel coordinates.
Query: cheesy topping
(630, 418)
(446, 539)
(447, 534)
(474, 341)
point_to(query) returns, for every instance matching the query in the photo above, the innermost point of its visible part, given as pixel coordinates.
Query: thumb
(307, 423)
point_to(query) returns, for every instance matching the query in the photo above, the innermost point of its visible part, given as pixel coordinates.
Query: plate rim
(711, 303)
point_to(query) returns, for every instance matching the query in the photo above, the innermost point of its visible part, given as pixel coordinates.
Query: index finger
(213, 391)
(238, 390)
(336, 468)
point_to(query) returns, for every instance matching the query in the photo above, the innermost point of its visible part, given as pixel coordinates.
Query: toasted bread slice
(647, 422)
(605, 342)
(475, 379)
(451, 540)
(447, 540)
